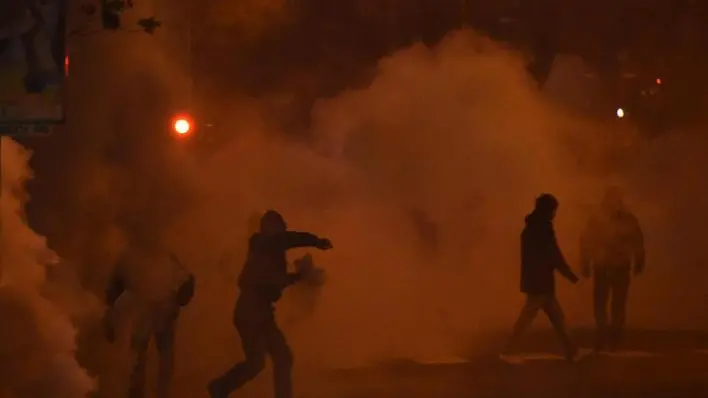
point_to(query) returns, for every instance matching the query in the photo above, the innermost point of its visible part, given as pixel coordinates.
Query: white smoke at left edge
(37, 339)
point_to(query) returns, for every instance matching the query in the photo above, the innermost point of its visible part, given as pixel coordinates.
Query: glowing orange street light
(182, 125)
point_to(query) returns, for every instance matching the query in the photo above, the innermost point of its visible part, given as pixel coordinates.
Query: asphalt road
(652, 364)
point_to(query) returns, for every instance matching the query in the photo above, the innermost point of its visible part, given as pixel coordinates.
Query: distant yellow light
(620, 113)
(658, 81)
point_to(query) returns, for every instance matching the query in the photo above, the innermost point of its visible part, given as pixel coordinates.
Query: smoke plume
(462, 134)
(458, 133)
(38, 338)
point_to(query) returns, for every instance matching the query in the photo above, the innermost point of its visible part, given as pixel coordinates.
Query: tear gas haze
(458, 133)
(38, 338)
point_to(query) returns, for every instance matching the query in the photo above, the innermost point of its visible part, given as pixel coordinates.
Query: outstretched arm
(294, 239)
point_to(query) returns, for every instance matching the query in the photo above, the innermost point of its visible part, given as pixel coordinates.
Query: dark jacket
(541, 256)
(612, 240)
(152, 275)
(265, 274)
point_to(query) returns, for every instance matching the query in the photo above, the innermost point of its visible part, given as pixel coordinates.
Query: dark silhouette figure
(611, 244)
(262, 281)
(159, 287)
(540, 258)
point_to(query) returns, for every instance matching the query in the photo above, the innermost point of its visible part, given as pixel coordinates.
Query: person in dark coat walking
(611, 249)
(540, 259)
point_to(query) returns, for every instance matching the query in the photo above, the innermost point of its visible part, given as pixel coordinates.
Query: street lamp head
(182, 125)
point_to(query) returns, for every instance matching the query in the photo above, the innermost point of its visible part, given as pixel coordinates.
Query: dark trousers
(549, 304)
(611, 286)
(260, 337)
(163, 331)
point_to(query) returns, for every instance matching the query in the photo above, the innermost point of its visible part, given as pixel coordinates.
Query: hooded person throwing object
(262, 281)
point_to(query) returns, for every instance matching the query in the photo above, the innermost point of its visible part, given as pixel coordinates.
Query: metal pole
(190, 75)
(2, 206)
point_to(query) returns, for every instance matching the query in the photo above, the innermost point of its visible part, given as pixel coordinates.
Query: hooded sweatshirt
(265, 274)
(541, 256)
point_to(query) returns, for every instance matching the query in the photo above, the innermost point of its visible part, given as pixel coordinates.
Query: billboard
(33, 65)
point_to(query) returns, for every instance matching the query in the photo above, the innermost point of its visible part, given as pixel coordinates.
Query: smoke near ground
(38, 339)
(458, 132)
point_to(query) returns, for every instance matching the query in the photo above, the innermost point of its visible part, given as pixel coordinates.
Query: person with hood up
(262, 281)
(540, 259)
(611, 249)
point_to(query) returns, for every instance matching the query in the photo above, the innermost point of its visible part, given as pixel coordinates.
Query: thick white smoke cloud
(458, 131)
(37, 341)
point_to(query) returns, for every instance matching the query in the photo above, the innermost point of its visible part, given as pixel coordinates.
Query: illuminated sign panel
(33, 65)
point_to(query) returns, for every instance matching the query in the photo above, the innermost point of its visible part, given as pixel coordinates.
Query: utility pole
(2, 207)
(189, 55)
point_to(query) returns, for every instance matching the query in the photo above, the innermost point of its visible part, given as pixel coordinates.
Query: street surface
(652, 364)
